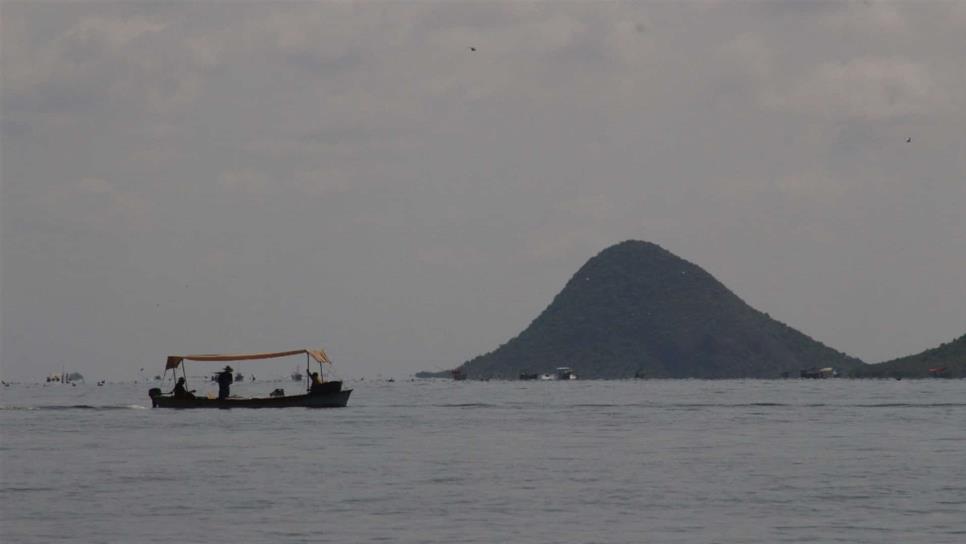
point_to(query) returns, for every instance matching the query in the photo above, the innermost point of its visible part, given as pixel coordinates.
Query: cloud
(865, 88)
(89, 40)
(246, 180)
(133, 208)
(868, 17)
(114, 32)
(91, 203)
(751, 53)
(103, 62)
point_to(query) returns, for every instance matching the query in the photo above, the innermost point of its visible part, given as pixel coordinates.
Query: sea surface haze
(858, 461)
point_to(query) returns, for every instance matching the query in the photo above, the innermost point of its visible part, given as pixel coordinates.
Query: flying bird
(909, 139)
(472, 48)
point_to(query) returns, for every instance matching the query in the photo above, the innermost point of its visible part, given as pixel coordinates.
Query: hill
(951, 356)
(637, 309)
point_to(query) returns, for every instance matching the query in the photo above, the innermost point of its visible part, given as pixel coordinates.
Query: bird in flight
(909, 139)
(472, 48)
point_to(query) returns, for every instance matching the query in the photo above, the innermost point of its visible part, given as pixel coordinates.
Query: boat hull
(336, 399)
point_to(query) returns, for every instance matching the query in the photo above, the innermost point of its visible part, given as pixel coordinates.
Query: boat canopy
(175, 360)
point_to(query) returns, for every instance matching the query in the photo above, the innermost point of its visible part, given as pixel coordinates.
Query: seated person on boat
(181, 392)
(317, 384)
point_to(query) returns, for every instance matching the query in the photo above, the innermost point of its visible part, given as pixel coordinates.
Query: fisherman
(316, 383)
(225, 379)
(180, 391)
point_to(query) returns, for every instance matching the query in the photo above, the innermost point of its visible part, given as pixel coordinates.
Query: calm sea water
(434, 461)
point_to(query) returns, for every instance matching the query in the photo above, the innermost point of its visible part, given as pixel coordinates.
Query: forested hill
(950, 356)
(637, 309)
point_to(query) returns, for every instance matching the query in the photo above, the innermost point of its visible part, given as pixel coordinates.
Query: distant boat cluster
(65, 377)
(819, 373)
(561, 373)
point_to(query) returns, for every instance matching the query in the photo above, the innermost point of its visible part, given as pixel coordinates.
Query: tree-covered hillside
(637, 309)
(950, 356)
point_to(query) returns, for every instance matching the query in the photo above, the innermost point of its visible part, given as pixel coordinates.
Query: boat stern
(154, 393)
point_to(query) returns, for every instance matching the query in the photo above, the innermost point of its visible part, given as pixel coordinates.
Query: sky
(409, 184)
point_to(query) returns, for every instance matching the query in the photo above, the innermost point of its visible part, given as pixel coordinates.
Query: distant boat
(566, 373)
(819, 373)
(526, 376)
(239, 377)
(325, 395)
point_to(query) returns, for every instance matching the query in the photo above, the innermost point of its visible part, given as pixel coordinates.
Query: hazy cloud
(868, 88)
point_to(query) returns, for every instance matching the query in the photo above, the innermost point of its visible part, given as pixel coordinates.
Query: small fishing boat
(324, 395)
(566, 373)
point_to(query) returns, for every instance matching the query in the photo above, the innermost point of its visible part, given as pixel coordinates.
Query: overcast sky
(192, 177)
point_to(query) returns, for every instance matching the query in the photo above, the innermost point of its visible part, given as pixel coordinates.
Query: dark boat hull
(337, 399)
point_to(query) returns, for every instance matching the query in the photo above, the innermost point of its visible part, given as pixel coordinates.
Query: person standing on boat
(225, 379)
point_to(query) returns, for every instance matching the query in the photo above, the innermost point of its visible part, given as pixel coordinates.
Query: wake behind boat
(319, 394)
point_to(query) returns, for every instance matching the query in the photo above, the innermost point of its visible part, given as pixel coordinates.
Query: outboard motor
(154, 392)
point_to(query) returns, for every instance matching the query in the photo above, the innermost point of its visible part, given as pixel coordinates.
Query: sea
(438, 461)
